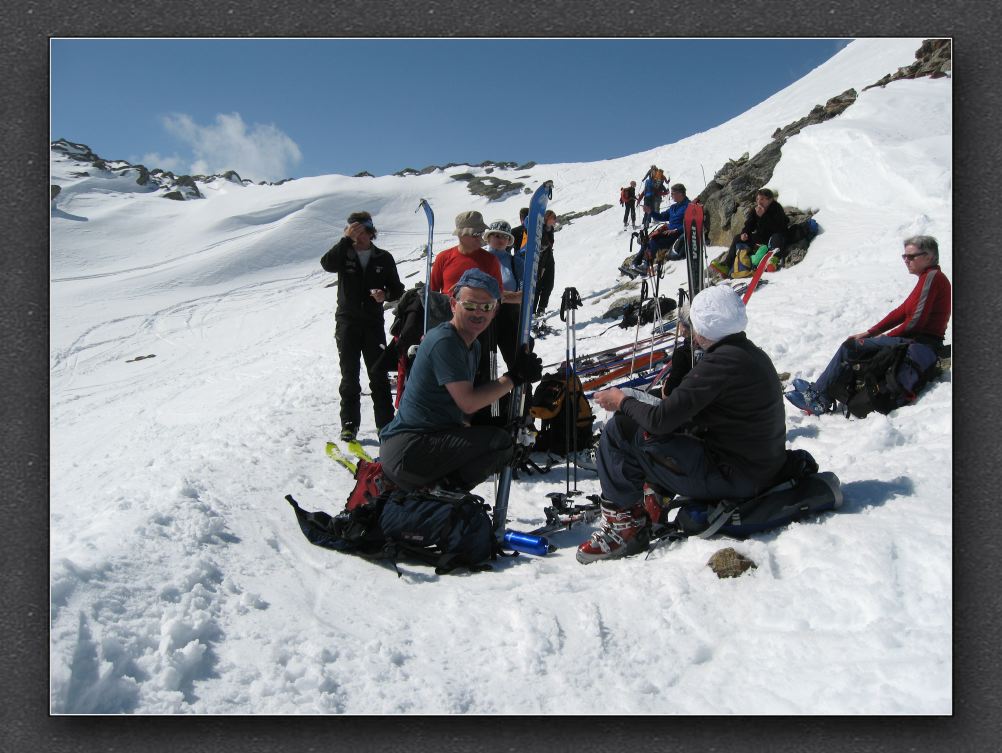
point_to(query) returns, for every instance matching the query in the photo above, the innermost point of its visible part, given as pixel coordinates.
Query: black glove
(527, 367)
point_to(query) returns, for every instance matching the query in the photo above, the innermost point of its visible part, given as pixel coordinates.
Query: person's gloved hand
(527, 367)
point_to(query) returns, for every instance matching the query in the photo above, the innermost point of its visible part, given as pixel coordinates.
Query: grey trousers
(461, 457)
(677, 463)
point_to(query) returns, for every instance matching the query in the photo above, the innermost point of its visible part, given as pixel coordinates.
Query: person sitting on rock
(766, 223)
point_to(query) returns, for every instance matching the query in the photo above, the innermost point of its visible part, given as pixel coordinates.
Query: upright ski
(428, 255)
(534, 229)
(692, 227)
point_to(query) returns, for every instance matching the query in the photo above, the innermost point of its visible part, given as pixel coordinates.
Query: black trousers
(363, 341)
(544, 287)
(462, 457)
(630, 213)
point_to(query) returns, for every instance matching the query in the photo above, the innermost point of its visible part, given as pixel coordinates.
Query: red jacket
(925, 311)
(450, 265)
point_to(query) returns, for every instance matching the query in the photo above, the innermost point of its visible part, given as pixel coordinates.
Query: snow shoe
(623, 533)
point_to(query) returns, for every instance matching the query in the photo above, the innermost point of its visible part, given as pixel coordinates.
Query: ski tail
(430, 216)
(692, 225)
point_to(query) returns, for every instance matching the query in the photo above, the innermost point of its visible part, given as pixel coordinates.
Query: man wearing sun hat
(430, 440)
(721, 433)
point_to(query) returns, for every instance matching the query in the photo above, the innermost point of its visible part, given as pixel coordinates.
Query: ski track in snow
(180, 582)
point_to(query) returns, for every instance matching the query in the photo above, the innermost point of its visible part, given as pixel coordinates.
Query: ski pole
(640, 311)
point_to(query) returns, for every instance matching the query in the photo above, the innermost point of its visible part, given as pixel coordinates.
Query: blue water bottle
(526, 542)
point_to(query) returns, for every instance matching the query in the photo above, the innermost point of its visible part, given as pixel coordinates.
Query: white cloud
(152, 160)
(262, 152)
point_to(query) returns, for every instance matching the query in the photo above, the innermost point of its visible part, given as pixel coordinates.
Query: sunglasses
(909, 257)
(471, 306)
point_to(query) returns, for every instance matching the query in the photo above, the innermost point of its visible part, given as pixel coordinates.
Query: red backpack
(369, 483)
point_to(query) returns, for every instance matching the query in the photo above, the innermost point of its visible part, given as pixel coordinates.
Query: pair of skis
(348, 460)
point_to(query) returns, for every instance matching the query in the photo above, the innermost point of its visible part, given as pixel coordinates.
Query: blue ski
(534, 229)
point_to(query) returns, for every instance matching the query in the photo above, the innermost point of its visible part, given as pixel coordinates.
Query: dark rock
(363, 174)
(175, 195)
(526, 165)
(727, 563)
(54, 191)
(933, 59)
(567, 219)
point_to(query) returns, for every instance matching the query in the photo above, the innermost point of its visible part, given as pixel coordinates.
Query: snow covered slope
(180, 582)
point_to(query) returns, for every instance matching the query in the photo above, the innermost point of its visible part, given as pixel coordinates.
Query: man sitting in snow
(921, 319)
(720, 433)
(430, 441)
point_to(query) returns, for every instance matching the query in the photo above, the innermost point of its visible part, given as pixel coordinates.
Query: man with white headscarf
(721, 433)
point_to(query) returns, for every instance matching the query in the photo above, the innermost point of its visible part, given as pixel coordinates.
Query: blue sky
(272, 109)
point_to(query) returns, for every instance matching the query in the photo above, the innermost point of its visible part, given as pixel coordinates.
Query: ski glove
(527, 367)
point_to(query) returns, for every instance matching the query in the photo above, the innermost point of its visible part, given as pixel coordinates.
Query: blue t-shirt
(442, 357)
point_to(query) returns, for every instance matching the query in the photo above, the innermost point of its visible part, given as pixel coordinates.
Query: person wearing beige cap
(450, 265)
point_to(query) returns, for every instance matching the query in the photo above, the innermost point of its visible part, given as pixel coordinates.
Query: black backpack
(443, 529)
(885, 379)
(799, 491)
(551, 404)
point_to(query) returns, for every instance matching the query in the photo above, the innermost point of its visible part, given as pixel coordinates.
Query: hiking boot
(654, 506)
(623, 533)
(809, 401)
(800, 384)
(349, 432)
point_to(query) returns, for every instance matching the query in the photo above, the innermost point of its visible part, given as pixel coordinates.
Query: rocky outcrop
(934, 59)
(488, 185)
(567, 219)
(178, 188)
(54, 191)
(363, 174)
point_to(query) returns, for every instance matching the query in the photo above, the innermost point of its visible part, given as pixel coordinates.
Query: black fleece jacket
(761, 229)
(354, 300)
(732, 400)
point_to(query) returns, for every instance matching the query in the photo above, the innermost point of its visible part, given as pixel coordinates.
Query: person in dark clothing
(683, 358)
(367, 276)
(766, 223)
(720, 433)
(628, 199)
(518, 232)
(546, 268)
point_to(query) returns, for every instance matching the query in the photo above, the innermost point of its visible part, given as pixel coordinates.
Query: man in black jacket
(721, 433)
(367, 276)
(766, 223)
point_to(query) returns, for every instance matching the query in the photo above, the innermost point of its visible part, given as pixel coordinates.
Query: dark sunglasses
(909, 257)
(471, 306)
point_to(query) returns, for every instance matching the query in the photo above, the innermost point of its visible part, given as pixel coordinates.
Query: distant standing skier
(546, 267)
(367, 276)
(628, 199)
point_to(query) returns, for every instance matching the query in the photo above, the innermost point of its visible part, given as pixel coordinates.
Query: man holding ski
(720, 433)
(430, 440)
(367, 276)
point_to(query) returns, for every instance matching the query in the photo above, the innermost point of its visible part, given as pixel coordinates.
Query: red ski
(763, 263)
